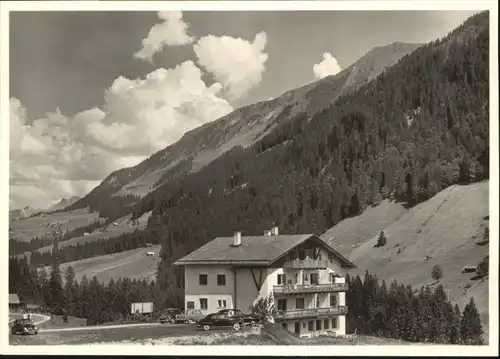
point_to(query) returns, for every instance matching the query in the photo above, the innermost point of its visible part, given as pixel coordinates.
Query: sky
(93, 92)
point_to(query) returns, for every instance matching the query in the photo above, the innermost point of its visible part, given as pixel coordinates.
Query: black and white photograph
(235, 175)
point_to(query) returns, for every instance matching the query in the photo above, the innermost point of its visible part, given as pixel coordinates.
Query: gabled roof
(13, 299)
(253, 250)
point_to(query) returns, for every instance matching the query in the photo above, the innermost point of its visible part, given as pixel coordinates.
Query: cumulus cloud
(328, 66)
(58, 156)
(172, 31)
(234, 62)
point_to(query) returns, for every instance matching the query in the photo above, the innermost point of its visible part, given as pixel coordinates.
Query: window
(310, 325)
(332, 278)
(304, 325)
(314, 278)
(281, 304)
(330, 258)
(326, 324)
(203, 279)
(281, 279)
(334, 323)
(221, 279)
(333, 300)
(309, 253)
(302, 254)
(221, 304)
(203, 303)
(317, 301)
(318, 324)
(299, 303)
(190, 305)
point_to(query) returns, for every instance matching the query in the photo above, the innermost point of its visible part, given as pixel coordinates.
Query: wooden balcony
(306, 264)
(311, 313)
(309, 288)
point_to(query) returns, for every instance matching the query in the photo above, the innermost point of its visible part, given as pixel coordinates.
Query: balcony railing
(306, 264)
(311, 312)
(310, 288)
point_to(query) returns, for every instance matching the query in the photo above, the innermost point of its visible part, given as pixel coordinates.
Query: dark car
(228, 318)
(189, 316)
(169, 315)
(221, 320)
(247, 318)
(24, 326)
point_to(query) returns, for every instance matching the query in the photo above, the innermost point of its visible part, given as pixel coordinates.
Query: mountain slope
(444, 230)
(242, 127)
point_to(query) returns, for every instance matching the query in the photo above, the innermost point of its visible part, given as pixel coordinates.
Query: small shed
(469, 269)
(14, 302)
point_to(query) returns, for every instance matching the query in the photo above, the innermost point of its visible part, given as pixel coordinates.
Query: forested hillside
(418, 128)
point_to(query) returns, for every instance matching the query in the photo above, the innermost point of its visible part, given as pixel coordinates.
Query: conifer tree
(57, 295)
(454, 333)
(382, 240)
(470, 327)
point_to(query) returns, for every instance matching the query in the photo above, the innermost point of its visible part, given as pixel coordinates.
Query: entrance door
(297, 327)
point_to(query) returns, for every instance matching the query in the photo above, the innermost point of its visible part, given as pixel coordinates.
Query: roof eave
(221, 262)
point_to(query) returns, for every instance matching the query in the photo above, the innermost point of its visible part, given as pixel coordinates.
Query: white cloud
(236, 63)
(57, 156)
(328, 66)
(172, 31)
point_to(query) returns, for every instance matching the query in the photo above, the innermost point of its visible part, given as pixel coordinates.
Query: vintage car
(24, 326)
(234, 318)
(248, 318)
(190, 316)
(168, 315)
(221, 320)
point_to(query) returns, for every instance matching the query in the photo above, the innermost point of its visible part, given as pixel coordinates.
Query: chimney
(237, 239)
(274, 231)
(267, 232)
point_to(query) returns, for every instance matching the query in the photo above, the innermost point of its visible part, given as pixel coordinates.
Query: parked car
(221, 320)
(234, 318)
(190, 316)
(24, 326)
(169, 315)
(248, 318)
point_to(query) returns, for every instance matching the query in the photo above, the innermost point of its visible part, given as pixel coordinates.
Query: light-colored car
(190, 316)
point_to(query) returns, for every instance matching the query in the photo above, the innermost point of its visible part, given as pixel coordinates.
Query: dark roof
(13, 299)
(255, 250)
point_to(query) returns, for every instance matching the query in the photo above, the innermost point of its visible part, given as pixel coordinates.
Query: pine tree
(69, 282)
(382, 240)
(470, 327)
(57, 295)
(454, 333)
